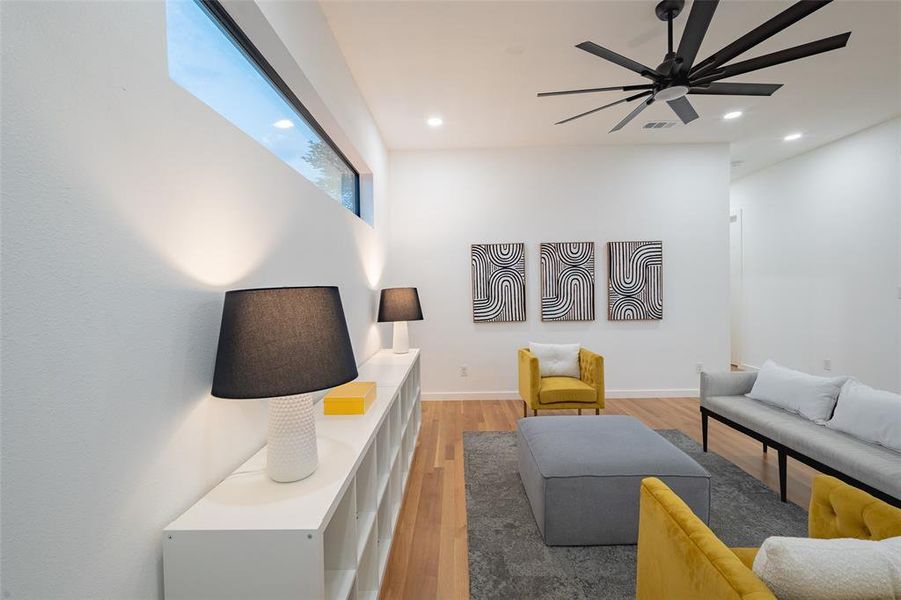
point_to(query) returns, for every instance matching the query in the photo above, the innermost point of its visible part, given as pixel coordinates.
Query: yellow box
(352, 398)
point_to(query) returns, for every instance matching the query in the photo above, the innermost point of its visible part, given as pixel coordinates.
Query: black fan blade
(683, 109)
(695, 29)
(786, 18)
(622, 61)
(622, 88)
(736, 89)
(776, 58)
(633, 114)
(594, 110)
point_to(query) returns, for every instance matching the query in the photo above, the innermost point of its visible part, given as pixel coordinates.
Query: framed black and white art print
(567, 281)
(498, 283)
(634, 281)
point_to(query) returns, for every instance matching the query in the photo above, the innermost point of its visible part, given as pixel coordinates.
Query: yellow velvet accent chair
(545, 393)
(680, 558)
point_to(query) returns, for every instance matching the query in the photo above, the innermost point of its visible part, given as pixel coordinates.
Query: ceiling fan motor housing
(671, 64)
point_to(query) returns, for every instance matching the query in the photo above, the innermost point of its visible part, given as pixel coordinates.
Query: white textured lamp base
(291, 453)
(401, 338)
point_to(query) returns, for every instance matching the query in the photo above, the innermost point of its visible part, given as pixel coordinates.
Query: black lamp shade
(399, 304)
(282, 341)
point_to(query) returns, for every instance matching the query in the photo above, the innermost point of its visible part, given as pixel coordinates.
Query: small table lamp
(283, 344)
(399, 305)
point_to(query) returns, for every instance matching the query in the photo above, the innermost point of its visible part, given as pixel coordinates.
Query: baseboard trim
(512, 395)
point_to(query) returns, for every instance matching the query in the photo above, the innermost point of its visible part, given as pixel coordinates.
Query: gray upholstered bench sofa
(873, 468)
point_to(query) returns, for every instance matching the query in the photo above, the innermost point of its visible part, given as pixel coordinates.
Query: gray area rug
(508, 559)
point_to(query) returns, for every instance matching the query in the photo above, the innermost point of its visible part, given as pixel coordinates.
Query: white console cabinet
(324, 537)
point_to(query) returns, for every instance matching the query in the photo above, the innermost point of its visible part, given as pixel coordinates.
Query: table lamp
(399, 305)
(283, 344)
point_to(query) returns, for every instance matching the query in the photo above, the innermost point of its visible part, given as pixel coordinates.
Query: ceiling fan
(678, 75)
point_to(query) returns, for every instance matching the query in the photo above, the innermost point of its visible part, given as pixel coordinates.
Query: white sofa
(873, 468)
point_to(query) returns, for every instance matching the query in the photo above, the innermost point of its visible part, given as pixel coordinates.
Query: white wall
(821, 258)
(443, 201)
(128, 208)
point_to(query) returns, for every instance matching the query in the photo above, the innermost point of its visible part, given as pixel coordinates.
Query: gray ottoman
(582, 476)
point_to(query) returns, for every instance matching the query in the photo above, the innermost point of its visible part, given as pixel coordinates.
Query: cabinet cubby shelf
(395, 455)
(383, 558)
(366, 523)
(383, 487)
(339, 584)
(325, 537)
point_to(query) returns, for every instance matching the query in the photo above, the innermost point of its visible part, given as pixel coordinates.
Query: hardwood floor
(429, 554)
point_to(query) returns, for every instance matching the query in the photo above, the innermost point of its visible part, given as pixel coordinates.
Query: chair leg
(534, 412)
(525, 409)
(597, 411)
(704, 430)
(764, 447)
(783, 468)
(580, 412)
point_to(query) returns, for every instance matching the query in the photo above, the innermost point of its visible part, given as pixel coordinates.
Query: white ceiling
(480, 64)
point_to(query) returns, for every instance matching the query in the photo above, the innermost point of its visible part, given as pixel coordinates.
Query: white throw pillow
(557, 360)
(808, 395)
(839, 569)
(868, 414)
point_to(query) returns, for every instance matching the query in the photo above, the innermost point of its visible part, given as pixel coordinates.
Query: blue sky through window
(204, 60)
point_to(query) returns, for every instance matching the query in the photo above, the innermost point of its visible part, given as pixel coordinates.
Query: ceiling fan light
(673, 92)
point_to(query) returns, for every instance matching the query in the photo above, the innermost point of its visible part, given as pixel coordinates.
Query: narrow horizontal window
(211, 58)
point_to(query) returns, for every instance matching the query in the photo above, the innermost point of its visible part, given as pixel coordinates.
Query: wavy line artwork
(498, 283)
(634, 281)
(567, 281)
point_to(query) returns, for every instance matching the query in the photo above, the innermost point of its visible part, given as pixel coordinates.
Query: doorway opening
(735, 288)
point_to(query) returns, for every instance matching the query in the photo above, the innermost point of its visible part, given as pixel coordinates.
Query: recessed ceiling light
(435, 121)
(284, 124)
(732, 115)
(792, 137)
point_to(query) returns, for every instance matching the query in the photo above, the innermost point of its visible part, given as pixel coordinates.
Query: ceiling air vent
(736, 163)
(658, 124)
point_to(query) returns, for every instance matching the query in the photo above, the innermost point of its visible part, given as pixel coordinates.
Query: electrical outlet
(699, 367)
(464, 371)
(827, 364)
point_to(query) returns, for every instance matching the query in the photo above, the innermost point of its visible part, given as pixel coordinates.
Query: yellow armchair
(561, 392)
(680, 558)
